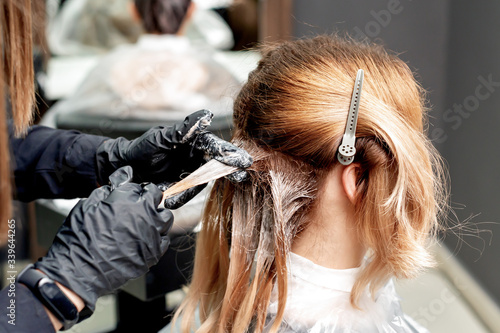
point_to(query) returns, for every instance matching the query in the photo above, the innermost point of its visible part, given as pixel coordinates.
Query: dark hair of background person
(162, 16)
(16, 82)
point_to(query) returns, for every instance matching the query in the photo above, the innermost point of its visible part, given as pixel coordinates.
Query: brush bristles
(211, 170)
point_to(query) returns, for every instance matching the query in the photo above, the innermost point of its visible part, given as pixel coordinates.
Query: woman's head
(291, 116)
(163, 16)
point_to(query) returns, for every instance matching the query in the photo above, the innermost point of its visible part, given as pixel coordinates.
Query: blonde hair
(17, 82)
(290, 116)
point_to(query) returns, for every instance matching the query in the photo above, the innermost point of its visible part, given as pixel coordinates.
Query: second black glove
(113, 236)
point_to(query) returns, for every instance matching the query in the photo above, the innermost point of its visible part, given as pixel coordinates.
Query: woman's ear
(349, 180)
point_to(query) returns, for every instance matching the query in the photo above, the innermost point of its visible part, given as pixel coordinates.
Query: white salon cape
(318, 302)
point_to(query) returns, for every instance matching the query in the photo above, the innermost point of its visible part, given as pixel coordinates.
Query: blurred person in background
(90, 27)
(161, 77)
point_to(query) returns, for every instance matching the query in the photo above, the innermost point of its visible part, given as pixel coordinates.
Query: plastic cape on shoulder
(318, 302)
(385, 316)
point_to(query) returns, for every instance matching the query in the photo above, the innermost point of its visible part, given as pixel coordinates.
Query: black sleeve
(22, 312)
(50, 163)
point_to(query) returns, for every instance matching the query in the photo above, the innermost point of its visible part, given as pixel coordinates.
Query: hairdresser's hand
(110, 238)
(162, 154)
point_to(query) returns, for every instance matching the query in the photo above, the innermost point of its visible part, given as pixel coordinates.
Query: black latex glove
(182, 198)
(162, 154)
(113, 236)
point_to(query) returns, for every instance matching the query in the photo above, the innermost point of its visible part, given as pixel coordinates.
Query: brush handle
(211, 170)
